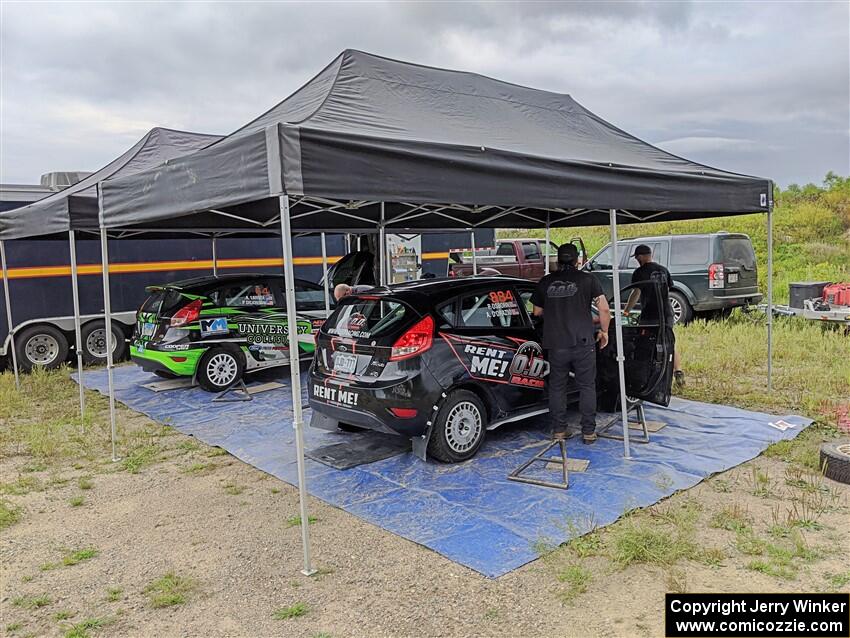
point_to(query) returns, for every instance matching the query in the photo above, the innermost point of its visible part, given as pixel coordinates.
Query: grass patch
(169, 590)
(64, 614)
(293, 611)
(274, 490)
(577, 578)
(31, 602)
(233, 489)
(838, 582)
(9, 514)
(184, 447)
(114, 594)
(22, 485)
(12, 627)
(587, 545)
(732, 518)
(74, 558)
(85, 483)
(199, 469)
(140, 457)
(216, 451)
(77, 501)
(81, 629)
(295, 521)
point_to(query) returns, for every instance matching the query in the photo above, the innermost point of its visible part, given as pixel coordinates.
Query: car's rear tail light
(716, 276)
(415, 341)
(187, 314)
(404, 413)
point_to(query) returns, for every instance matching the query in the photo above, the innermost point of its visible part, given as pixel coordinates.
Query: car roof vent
(58, 180)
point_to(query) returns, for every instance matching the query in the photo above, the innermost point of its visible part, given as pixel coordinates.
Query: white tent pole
(325, 275)
(75, 292)
(474, 260)
(214, 257)
(618, 330)
(295, 378)
(770, 297)
(382, 246)
(107, 315)
(9, 315)
(546, 252)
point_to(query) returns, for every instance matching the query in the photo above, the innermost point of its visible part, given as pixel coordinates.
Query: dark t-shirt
(649, 302)
(565, 297)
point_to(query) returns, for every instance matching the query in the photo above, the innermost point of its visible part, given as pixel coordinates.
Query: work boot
(589, 439)
(560, 436)
(679, 378)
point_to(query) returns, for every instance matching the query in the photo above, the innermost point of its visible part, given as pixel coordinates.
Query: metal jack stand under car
(541, 457)
(632, 406)
(239, 390)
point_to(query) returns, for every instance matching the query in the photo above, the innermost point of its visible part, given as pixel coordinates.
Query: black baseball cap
(567, 254)
(642, 249)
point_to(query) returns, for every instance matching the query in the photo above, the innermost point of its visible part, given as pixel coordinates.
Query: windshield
(362, 318)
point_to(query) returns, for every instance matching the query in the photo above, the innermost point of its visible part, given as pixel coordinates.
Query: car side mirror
(588, 265)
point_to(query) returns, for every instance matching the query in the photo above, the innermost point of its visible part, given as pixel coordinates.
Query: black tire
(220, 368)
(835, 460)
(457, 436)
(165, 374)
(41, 347)
(683, 313)
(93, 336)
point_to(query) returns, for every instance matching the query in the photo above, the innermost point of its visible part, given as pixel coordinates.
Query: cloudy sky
(754, 87)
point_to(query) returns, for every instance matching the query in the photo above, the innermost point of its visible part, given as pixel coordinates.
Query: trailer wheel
(93, 335)
(41, 347)
(459, 428)
(835, 461)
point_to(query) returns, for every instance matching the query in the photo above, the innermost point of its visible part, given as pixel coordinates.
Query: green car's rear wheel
(220, 368)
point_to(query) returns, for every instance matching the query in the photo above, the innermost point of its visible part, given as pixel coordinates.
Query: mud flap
(420, 443)
(323, 422)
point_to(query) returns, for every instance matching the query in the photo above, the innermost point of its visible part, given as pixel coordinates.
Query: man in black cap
(565, 297)
(649, 311)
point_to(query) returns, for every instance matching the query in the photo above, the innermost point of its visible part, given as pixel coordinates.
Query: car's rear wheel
(459, 428)
(682, 311)
(41, 347)
(93, 336)
(220, 368)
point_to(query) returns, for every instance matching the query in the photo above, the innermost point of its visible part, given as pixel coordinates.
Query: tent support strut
(107, 315)
(78, 347)
(618, 329)
(9, 316)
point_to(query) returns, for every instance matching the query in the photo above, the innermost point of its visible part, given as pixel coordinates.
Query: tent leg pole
(770, 298)
(295, 378)
(546, 251)
(618, 329)
(382, 246)
(325, 275)
(107, 315)
(75, 292)
(474, 260)
(9, 316)
(214, 258)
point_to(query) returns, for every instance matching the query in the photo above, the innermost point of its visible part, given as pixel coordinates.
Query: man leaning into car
(566, 297)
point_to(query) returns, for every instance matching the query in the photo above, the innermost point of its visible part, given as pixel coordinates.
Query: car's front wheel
(682, 311)
(220, 368)
(459, 429)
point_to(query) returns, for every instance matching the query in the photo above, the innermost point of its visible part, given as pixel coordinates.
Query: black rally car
(444, 360)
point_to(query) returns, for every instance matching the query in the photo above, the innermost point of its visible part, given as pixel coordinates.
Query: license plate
(733, 277)
(148, 329)
(345, 363)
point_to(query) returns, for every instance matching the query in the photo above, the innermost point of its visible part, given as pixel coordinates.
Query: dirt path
(223, 534)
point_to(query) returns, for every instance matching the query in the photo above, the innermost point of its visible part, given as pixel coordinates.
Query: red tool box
(837, 294)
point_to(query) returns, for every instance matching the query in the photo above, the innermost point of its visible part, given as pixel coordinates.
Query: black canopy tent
(376, 143)
(75, 209)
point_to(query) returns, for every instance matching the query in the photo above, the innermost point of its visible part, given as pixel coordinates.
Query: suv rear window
(365, 318)
(738, 250)
(689, 251)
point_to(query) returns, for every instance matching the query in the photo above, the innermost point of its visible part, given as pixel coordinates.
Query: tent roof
(368, 129)
(75, 207)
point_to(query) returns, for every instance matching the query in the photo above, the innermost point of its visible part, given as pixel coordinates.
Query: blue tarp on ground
(469, 512)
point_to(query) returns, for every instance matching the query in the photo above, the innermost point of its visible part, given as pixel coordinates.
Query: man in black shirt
(563, 298)
(649, 311)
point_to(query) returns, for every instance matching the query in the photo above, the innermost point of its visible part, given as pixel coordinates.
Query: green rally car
(217, 328)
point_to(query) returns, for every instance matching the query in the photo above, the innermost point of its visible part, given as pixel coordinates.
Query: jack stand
(240, 393)
(541, 457)
(632, 405)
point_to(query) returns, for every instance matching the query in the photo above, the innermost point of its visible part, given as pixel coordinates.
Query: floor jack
(541, 457)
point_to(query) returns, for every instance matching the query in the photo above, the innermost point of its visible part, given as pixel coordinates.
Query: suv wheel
(41, 347)
(93, 336)
(459, 429)
(219, 369)
(682, 311)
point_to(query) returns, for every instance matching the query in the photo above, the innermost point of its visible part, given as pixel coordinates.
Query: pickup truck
(523, 258)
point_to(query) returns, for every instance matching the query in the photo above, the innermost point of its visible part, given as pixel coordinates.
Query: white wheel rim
(96, 343)
(844, 449)
(41, 349)
(463, 427)
(222, 369)
(676, 307)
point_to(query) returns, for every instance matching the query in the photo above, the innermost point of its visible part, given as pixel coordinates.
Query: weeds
(31, 602)
(79, 556)
(140, 457)
(838, 582)
(293, 611)
(64, 615)
(200, 469)
(677, 581)
(114, 594)
(169, 590)
(577, 577)
(9, 514)
(636, 540)
(295, 521)
(76, 501)
(22, 485)
(85, 483)
(761, 484)
(732, 518)
(81, 629)
(12, 627)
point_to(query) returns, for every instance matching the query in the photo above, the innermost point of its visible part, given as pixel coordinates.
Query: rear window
(692, 251)
(530, 250)
(738, 250)
(506, 250)
(161, 301)
(365, 318)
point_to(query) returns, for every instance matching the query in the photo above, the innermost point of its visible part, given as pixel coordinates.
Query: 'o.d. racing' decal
(500, 361)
